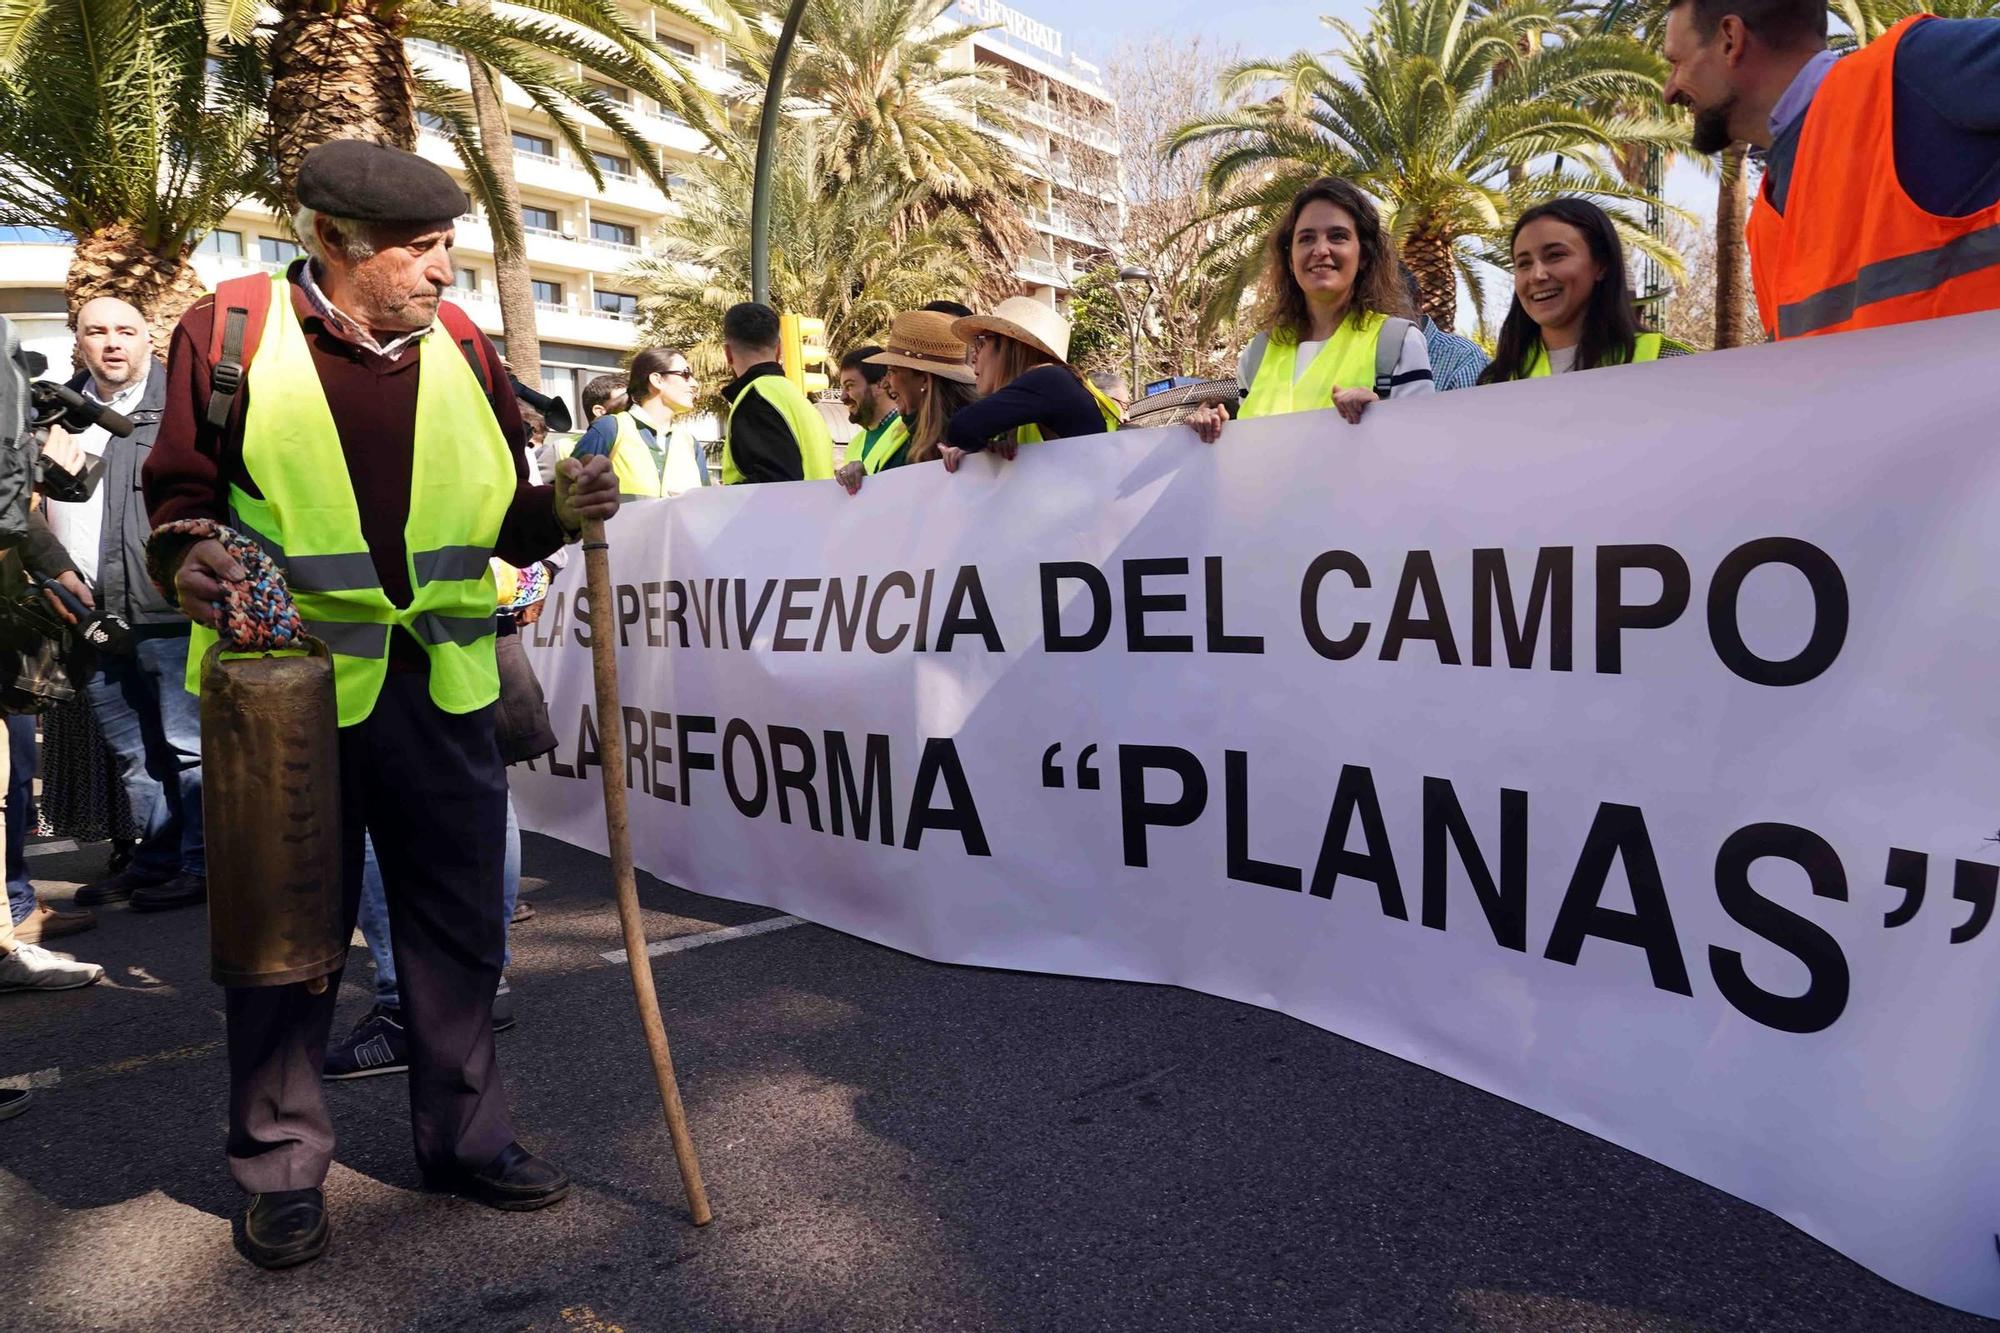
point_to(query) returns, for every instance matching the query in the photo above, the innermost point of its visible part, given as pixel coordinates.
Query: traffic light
(805, 352)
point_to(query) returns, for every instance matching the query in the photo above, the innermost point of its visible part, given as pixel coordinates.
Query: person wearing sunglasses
(1028, 390)
(651, 455)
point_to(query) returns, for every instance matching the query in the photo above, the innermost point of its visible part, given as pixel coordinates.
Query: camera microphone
(106, 631)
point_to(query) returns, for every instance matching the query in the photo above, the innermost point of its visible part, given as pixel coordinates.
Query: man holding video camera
(149, 720)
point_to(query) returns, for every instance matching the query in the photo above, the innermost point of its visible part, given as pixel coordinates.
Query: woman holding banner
(1572, 308)
(930, 381)
(1338, 332)
(1031, 393)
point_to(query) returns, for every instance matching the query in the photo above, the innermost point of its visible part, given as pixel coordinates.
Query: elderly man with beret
(365, 435)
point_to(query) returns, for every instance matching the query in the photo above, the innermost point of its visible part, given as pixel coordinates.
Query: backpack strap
(466, 334)
(1253, 359)
(241, 306)
(1388, 350)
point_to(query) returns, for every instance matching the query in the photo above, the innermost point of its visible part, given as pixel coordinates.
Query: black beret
(371, 182)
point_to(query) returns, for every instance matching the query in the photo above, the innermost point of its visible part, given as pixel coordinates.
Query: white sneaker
(31, 967)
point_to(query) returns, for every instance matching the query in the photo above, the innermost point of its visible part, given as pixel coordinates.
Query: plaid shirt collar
(346, 325)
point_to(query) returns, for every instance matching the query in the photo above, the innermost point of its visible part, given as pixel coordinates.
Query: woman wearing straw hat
(1338, 331)
(930, 381)
(1020, 353)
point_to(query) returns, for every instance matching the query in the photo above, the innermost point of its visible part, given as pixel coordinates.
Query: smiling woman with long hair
(1571, 309)
(1335, 294)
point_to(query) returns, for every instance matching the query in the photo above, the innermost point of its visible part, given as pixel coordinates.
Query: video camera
(51, 402)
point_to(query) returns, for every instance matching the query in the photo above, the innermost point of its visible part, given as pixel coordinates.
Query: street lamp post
(767, 141)
(1140, 277)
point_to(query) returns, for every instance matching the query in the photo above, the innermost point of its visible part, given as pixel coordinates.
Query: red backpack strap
(459, 326)
(241, 306)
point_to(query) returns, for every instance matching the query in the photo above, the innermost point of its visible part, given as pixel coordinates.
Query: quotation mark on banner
(1971, 882)
(1086, 771)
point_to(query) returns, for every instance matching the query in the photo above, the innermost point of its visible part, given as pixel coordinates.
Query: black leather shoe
(180, 891)
(118, 887)
(516, 1181)
(286, 1228)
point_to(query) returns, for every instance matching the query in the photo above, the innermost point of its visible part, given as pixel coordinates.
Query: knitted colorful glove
(257, 613)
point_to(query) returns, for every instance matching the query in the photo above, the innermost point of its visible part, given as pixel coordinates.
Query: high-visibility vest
(1113, 417)
(462, 482)
(1645, 348)
(1852, 250)
(808, 428)
(639, 472)
(1347, 360)
(886, 446)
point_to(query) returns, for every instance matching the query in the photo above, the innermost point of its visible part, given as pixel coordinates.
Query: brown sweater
(192, 464)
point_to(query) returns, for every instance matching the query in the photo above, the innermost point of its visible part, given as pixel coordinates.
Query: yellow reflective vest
(639, 472)
(807, 426)
(462, 482)
(886, 446)
(1347, 360)
(1113, 418)
(1646, 348)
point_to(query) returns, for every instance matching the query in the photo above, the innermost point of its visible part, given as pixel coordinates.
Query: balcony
(1042, 273)
(1056, 221)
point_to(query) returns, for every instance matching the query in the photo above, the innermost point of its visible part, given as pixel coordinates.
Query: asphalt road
(889, 1144)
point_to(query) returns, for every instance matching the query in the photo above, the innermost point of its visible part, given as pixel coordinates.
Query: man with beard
(885, 437)
(1881, 194)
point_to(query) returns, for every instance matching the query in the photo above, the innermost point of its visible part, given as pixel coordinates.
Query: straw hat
(923, 340)
(1023, 319)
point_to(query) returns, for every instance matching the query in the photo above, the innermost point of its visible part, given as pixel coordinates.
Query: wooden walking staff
(618, 834)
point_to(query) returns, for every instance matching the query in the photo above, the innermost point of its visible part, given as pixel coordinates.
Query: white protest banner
(1623, 744)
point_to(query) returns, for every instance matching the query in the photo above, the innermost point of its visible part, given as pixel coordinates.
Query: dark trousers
(429, 789)
(153, 727)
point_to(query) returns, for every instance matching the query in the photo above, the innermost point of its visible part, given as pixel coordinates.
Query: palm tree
(340, 70)
(114, 133)
(1456, 120)
(1865, 20)
(831, 253)
(1732, 211)
(895, 110)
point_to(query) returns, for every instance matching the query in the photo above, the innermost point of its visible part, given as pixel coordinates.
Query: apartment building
(1067, 139)
(581, 240)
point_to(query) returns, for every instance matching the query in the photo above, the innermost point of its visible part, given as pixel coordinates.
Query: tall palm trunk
(338, 71)
(1732, 204)
(114, 260)
(510, 252)
(1428, 253)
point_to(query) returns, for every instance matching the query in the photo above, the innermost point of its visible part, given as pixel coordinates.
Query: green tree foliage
(896, 114)
(1455, 118)
(112, 131)
(832, 254)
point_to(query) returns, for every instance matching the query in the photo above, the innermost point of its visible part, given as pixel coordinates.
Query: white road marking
(49, 848)
(39, 1078)
(695, 941)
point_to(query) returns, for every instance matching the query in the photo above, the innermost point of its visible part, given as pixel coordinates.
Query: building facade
(581, 239)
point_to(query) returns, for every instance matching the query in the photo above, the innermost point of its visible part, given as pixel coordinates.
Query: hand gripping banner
(1623, 744)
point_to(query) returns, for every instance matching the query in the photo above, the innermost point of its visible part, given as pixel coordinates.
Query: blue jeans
(374, 915)
(153, 726)
(20, 803)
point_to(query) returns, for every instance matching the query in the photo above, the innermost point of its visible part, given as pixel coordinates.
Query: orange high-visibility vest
(1852, 250)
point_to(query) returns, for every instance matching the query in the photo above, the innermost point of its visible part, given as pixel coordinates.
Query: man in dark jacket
(149, 720)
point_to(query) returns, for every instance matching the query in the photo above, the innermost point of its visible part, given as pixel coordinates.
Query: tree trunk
(510, 253)
(338, 71)
(114, 260)
(1428, 253)
(1732, 206)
